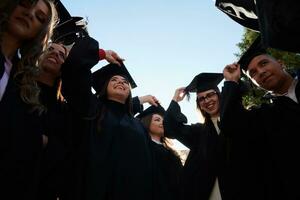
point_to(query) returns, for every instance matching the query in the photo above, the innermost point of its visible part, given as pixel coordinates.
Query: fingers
(153, 101)
(231, 67)
(113, 57)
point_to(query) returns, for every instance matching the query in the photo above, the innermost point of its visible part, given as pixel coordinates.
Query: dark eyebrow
(262, 61)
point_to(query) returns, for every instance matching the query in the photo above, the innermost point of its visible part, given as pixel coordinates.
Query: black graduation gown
(120, 160)
(115, 163)
(169, 168)
(265, 145)
(206, 160)
(20, 144)
(56, 126)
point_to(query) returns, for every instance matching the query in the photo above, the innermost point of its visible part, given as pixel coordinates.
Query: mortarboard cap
(69, 28)
(242, 12)
(204, 81)
(280, 24)
(63, 13)
(103, 74)
(152, 110)
(255, 49)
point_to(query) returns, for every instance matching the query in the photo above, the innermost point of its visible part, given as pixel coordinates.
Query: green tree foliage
(254, 96)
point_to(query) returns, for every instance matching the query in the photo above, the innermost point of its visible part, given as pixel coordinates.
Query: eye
(41, 17)
(264, 63)
(201, 99)
(113, 79)
(126, 82)
(62, 56)
(252, 73)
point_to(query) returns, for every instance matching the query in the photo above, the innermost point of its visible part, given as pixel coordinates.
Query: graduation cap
(103, 74)
(69, 31)
(255, 49)
(152, 110)
(204, 81)
(280, 23)
(63, 13)
(69, 27)
(242, 12)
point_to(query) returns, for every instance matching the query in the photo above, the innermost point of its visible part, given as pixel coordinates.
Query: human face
(27, 20)
(156, 126)
(53, 59)
(209, 102)
(266, 72)
(118, 89)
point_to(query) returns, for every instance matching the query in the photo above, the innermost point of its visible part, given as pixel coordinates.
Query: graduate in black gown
(168, 163)
(56, 126)
(204, 173)
(25, 27)
(267, 136)
(115, 147)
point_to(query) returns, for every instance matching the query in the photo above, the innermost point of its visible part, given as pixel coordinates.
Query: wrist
(102, 54)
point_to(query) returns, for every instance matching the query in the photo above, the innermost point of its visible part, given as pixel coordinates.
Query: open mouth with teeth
(119, 87)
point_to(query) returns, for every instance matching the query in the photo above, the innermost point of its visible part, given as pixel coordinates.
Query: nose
(261, 73)
(29, 12)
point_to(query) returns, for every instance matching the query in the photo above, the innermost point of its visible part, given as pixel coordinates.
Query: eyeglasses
(208, 96)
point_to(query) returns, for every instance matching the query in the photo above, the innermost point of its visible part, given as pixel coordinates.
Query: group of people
(60, 140)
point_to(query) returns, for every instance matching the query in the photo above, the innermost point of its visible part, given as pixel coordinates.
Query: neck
(155, 137)
(47, 79)
(214, 115)
(284, 87)
(9, 45)
(117, 100)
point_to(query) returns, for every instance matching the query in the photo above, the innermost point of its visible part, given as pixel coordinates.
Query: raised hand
(179, 94)
(232, 72)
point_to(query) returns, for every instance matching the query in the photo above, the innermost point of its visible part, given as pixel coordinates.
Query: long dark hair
(203, 113)
(146, 121)
(31, 50)
(102, 95)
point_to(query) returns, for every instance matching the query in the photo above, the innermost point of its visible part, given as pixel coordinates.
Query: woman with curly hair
(25, 28)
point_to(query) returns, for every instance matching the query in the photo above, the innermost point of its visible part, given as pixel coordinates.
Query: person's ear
(281, 63)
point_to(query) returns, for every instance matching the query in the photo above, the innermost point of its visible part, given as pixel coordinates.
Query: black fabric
(56, 155)
(20, 144)
(152, 110)
(264, 145)
(206, 160)
(255, 49)
(204, 81)
(113, 159)
(120, 161)
(276, 20)
(280, 24)
(168, 171)
(243, 12)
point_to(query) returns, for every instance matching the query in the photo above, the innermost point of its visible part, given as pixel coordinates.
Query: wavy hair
(30, 51)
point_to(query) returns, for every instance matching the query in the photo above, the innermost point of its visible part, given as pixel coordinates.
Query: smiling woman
(119, 163)
(25, 27)
(206, 167)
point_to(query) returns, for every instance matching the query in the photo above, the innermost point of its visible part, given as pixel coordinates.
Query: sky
(165, 43)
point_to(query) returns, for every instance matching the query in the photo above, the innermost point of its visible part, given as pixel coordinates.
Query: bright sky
(165, 43)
